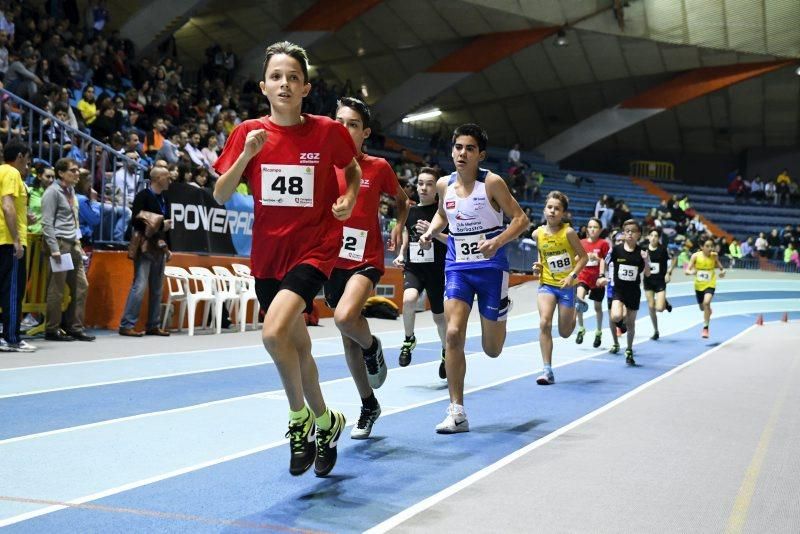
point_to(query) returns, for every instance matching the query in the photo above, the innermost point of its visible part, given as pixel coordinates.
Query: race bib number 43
(466, 247)
(354, 241)
(703, 276)
(287, 186)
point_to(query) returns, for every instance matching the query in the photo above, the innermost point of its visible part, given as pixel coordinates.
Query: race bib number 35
(354, 241)
(466, 248)
(628, 273)
(417, 254)
(287, 186)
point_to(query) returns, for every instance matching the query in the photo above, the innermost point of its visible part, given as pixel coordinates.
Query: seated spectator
(514, 156)
(757, 189)
(770, 193)
(775, 246)
(108, 121)
(734, 251)
(686, 207)
(170, 149)
(211, 149)
(737, 187)
(87, 106)
(789, 252)
(20, 77)
(782, 185)
(748, 249)
(127, 176)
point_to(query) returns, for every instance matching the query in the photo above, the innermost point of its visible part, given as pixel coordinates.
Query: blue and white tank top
(471, 219)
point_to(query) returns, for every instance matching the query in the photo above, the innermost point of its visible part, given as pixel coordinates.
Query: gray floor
(671, 458)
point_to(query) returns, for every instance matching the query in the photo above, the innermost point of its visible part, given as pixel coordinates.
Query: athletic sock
(705, 325)
(410, 338)
(598, 331)
(581, 329)
(324, 421)
(299, 416)
(370, 402)
(548, 369)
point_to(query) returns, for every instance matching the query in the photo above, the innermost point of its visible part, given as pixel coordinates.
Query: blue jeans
(148, 271)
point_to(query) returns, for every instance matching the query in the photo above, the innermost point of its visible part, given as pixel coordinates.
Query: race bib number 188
(287, 186)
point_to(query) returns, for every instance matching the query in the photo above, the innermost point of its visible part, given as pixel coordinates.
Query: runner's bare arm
(344, 205)
(227, 183)
(440, 219)
(499, 195)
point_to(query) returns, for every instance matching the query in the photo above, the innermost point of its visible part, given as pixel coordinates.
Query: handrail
(114, 212)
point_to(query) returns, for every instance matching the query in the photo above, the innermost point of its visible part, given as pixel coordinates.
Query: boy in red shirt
(360, 265)
(288, 160)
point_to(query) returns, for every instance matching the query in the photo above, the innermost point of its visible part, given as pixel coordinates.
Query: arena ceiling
(542, 90)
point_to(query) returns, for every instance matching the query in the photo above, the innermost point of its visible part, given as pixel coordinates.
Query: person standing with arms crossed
(423, 269)
(562, 258)
(473, 201)
(360, 265)
(288, 159)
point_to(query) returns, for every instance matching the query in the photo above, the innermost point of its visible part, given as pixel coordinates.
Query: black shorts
(629, 298)
(334, 287)
(597, 294)
(700, 295)
(304, 280)
(656, 285)
(432, 281)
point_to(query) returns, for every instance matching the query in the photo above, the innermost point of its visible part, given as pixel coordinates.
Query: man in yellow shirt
(782, 185)
(13, 240)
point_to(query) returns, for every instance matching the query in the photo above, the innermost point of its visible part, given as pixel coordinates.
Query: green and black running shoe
(579, 337)
(629, 358)
(302, 445)
(405, 351)
(326, 444)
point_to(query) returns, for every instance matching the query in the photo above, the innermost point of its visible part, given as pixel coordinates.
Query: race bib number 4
(559, 263)
(703, 276)
(417, 254)
(466, 248)
(287, 186)
(354, 241)
(628, 273)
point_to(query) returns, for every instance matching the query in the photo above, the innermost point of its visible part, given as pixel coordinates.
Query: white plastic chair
(241, 270)
(224, 291)
(246, 291)
(177, 279)
(198, 288)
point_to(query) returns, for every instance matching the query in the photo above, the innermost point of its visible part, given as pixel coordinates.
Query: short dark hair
(429, 170)
(474, 131)
(561, 197)
(595, 219)
(15, 149)
(358, 106)
(62, 107)
(655, 229)
(290, 49)
(62, 165)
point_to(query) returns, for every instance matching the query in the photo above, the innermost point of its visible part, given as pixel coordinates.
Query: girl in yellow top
(561, 258)
(703, 265)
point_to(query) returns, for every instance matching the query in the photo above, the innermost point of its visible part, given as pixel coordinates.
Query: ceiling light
(422, 116)
(797, 71)
(561, 38)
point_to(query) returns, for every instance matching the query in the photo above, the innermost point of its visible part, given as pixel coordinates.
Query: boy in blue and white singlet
(472, 201)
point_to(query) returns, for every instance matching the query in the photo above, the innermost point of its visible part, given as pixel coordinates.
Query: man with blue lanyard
(148, 267)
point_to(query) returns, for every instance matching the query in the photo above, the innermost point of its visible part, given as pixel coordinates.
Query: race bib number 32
(466, 248)
(287, 186)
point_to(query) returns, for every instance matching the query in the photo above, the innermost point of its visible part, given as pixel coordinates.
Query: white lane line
(210, 463)
(421, 506)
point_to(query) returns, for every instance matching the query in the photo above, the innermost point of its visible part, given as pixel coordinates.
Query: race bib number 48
(287, 186)
(466, 248)
(628, 273)
(354, 241)
(417, 254)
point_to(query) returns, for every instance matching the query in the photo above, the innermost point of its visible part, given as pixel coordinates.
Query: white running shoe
(4, 346)
(376, 366)
(455, 422)
(22, 346)
(363, 428)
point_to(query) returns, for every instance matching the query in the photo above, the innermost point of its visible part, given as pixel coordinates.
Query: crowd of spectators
(782, 191)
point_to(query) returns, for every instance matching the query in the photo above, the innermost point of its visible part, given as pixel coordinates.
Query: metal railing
(661, 170)
(48, 137)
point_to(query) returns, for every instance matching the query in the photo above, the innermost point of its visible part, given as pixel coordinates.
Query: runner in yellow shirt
(703, 265)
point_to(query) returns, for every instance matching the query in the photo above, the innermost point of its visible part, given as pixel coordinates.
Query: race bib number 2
(287, 186)
(417, 254)
(466, 248)
(354, 241)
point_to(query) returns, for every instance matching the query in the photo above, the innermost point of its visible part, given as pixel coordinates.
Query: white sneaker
(455, 422)
(22, 346)
(4, 346)
(376, 366)
(363, 428)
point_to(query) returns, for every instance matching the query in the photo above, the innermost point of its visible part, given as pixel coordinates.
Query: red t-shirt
(591, 271)
(358, 249)
(294, 185)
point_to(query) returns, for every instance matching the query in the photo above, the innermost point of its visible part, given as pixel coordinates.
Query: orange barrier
(111, 275)
(653, 189)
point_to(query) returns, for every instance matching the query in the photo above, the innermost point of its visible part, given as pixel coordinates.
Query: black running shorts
(432, 281)
(303, 280)
(334, 287)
